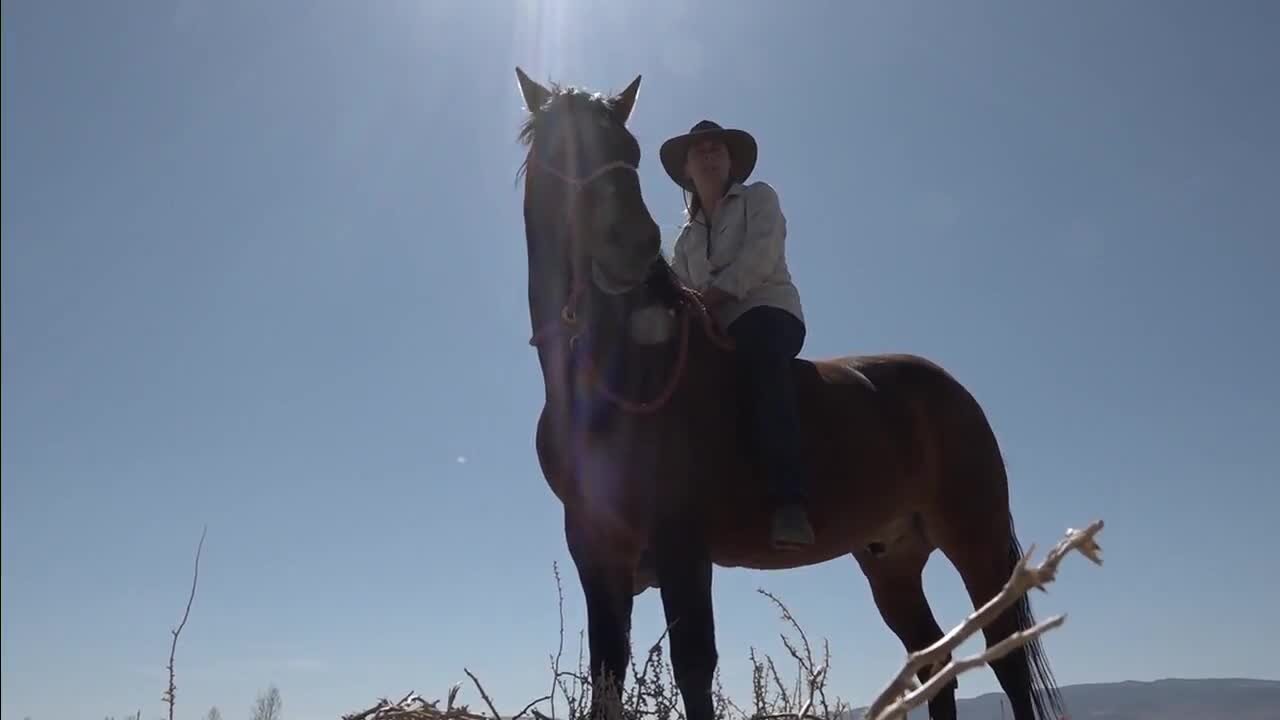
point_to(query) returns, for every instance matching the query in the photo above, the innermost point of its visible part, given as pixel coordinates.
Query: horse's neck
(547, 285)
(548, 296)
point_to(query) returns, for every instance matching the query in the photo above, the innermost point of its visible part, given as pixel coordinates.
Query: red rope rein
(569, 319)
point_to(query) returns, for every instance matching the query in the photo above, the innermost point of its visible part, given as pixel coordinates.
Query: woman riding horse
(732, 250)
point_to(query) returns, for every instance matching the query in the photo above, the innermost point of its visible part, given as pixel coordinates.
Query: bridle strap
(568, 319)
(577, 183)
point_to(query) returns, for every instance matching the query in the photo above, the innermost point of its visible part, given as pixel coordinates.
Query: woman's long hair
(693, 202)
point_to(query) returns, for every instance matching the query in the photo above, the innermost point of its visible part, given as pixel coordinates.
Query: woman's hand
(714, 297)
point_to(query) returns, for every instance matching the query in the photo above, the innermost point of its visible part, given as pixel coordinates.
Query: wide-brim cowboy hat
(742, 151)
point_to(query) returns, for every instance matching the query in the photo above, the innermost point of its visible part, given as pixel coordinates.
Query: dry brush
(652, 692)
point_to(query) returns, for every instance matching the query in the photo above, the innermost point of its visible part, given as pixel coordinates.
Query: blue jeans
(767, 340)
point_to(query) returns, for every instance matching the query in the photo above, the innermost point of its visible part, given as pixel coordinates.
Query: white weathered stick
(895, 701)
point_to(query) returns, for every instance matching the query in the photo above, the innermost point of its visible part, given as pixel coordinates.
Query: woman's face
(707, 163)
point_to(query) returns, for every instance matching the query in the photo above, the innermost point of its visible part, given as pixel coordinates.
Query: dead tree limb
(171, 693)
(898, 697)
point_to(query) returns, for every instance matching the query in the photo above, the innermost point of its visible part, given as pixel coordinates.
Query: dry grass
(652, 693)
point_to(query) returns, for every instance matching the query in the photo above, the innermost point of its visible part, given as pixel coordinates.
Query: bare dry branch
(810, 674)
(413, 707)
(530, 706)
(488, 701)
(951, 670)
(555, 662)
(170, 695)
(894, 701)
(777, 682)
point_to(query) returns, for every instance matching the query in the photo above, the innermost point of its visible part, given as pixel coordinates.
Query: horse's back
(866, 393)
(873, 371)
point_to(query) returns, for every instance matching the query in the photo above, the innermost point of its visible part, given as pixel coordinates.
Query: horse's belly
(858, 491)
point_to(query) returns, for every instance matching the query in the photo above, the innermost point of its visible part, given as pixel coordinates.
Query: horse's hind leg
(898, 591)
(969, 519)
(985, 554)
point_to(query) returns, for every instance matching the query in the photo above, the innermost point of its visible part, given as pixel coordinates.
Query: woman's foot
(791, 528)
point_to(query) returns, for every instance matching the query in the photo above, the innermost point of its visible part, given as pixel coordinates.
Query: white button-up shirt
(747, 253)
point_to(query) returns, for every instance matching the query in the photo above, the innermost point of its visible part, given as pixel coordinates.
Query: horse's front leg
(606, 577)
(684, 575)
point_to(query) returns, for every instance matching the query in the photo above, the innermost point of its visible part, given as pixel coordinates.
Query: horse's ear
(625, 101)
(535, 96)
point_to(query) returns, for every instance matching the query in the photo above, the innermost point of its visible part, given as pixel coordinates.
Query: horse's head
(596, 272)
(586, 218)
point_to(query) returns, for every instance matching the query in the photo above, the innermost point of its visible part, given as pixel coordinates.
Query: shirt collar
(734, 190)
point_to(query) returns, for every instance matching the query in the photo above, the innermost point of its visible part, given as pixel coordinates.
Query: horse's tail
(1045, 695)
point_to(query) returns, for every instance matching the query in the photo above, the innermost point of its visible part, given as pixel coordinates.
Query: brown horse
(640, 435)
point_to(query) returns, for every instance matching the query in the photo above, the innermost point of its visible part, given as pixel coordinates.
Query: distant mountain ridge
(1170, 699)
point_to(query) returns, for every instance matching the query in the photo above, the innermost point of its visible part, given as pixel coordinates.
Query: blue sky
(263, 269)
